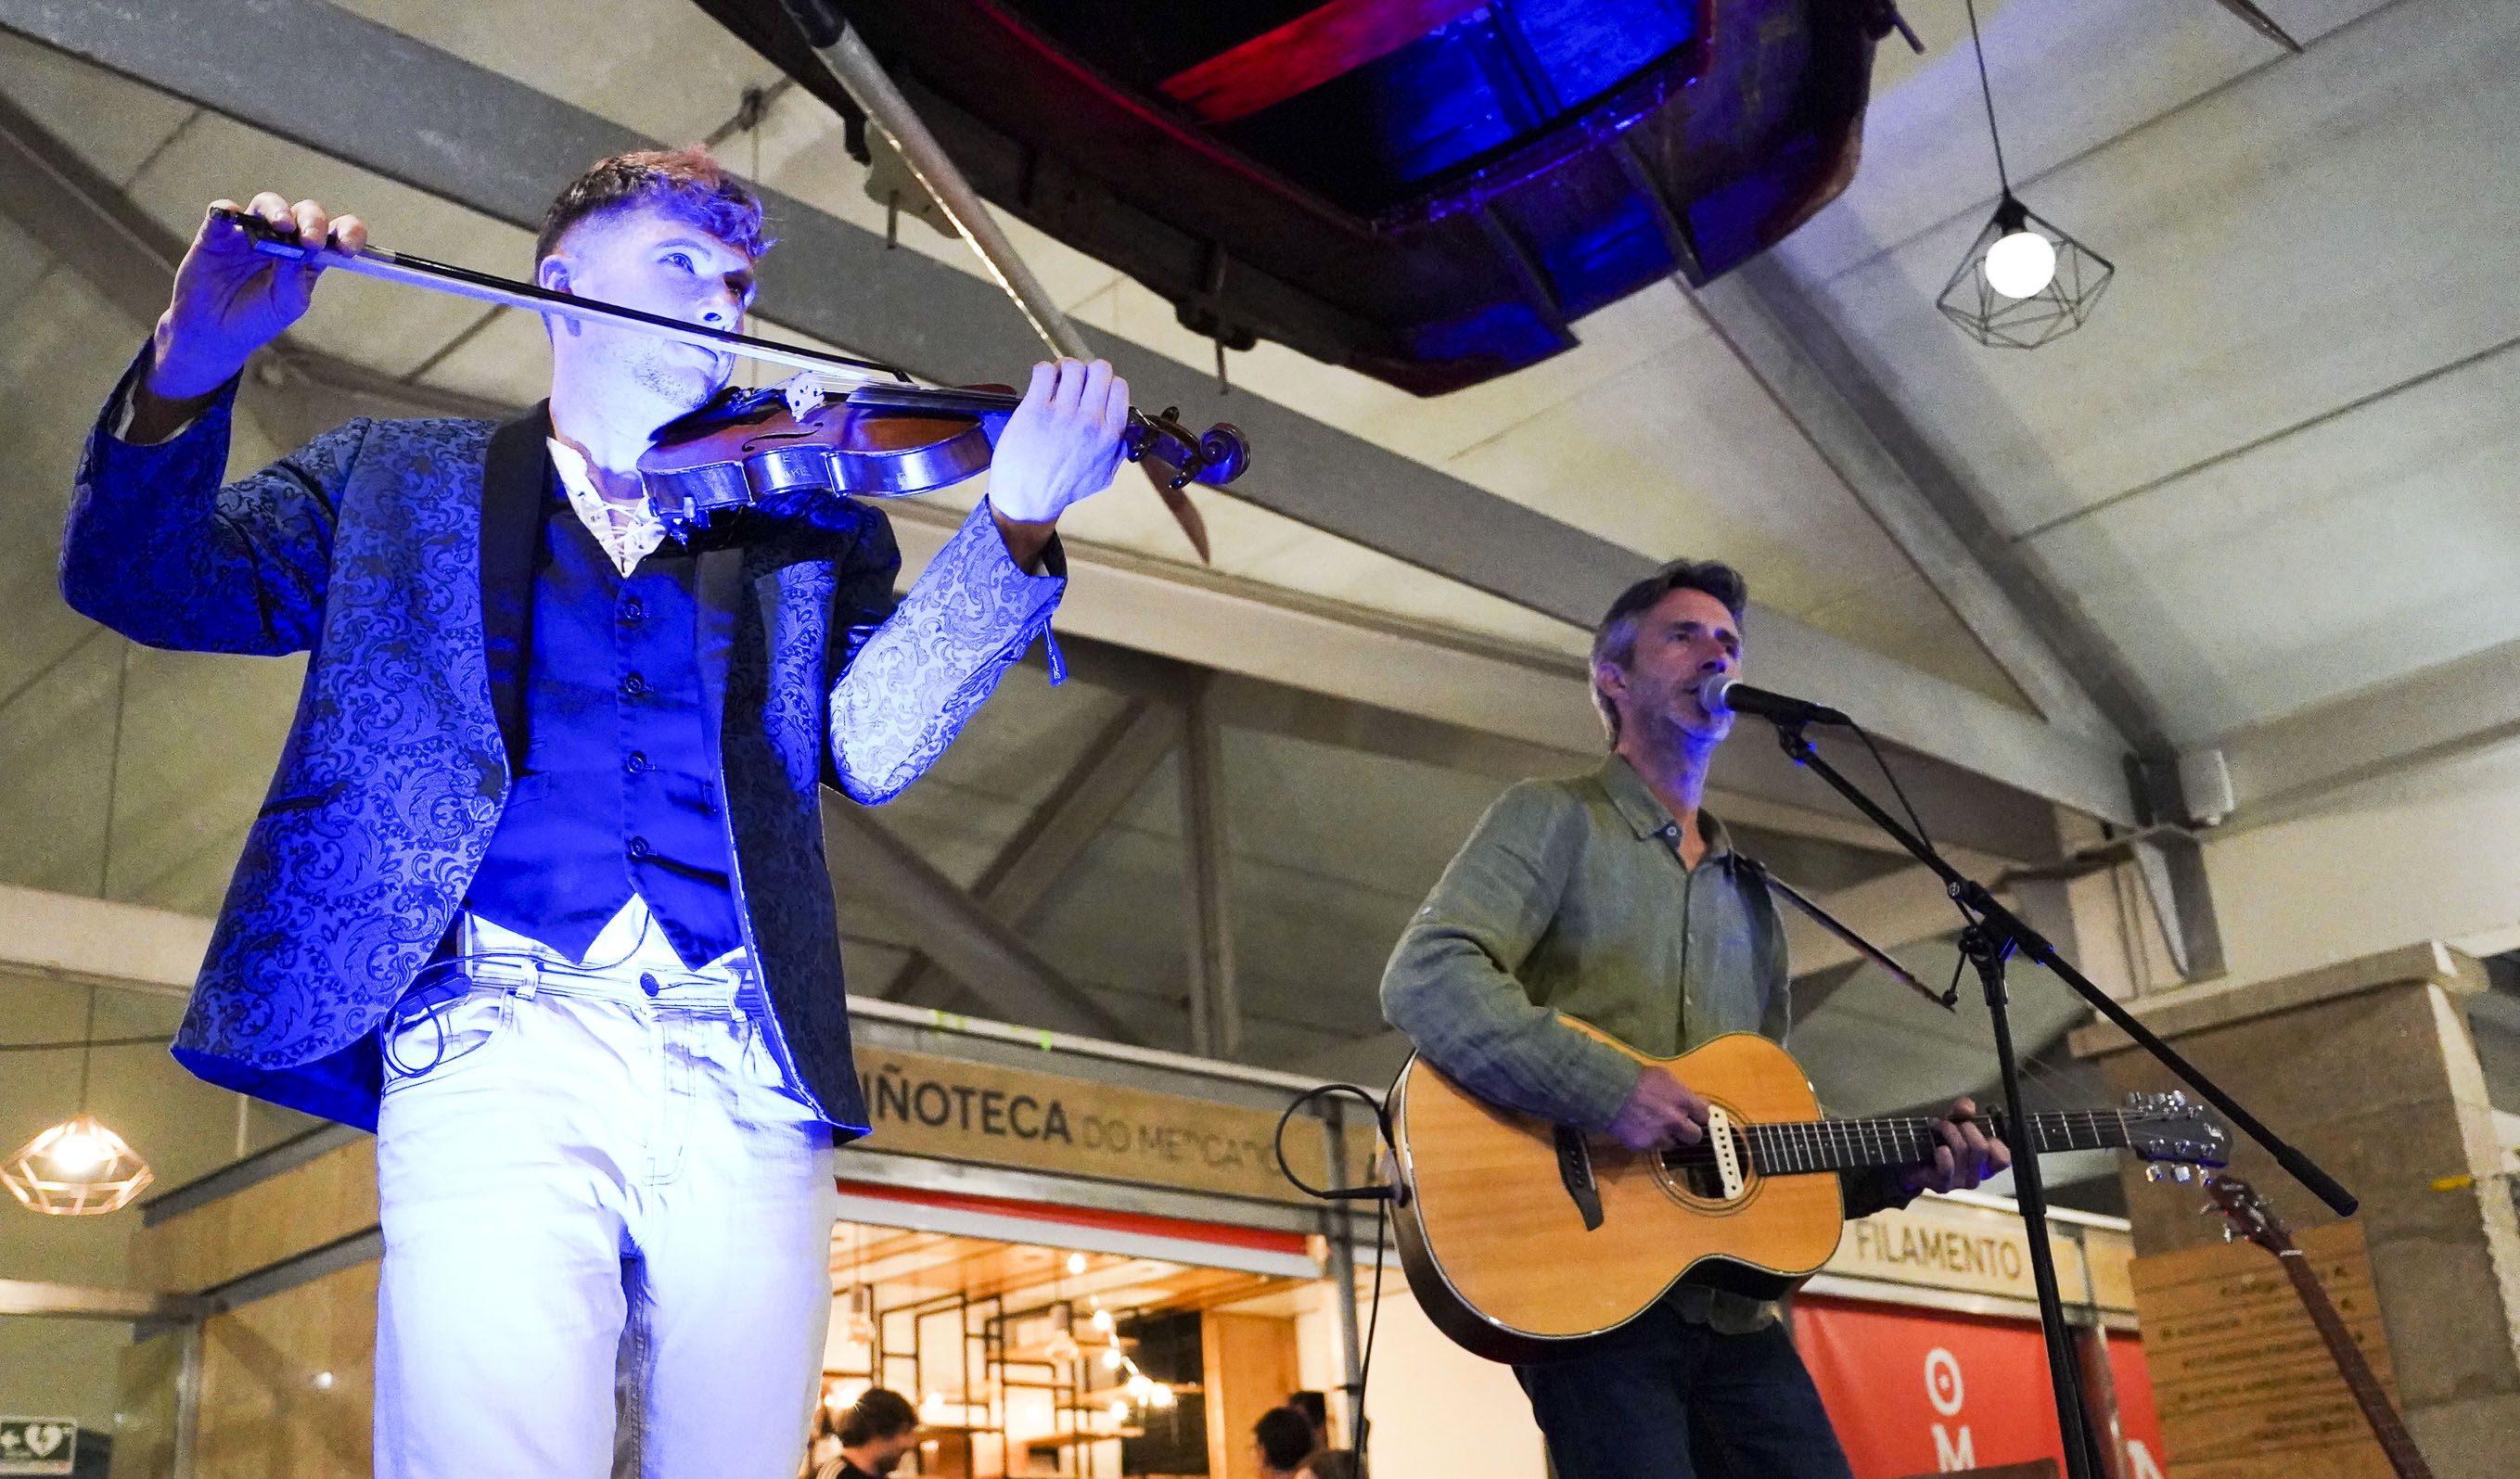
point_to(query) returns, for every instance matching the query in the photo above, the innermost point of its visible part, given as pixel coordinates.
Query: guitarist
(1614, 898)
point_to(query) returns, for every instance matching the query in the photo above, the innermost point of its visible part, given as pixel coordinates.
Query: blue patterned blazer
(399, 554)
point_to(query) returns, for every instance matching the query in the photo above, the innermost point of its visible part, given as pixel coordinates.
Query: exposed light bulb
(1162, 1396)
(1102, 1321)
(2020, 264)
(1075, 1263)
(1140, 1386)
(79, 1152)
(1111, 1359)
(1119, 1410)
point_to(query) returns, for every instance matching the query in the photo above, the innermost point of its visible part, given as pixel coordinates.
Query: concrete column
(2368, 1067)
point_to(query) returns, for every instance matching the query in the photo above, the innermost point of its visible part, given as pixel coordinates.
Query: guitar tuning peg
(2183, 1174)
(2152, 1173)
(2229, 1234)
(2174, 1101)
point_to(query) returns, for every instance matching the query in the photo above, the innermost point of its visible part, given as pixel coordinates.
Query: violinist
(539, 892)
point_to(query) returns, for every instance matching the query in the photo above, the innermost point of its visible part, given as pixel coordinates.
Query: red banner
(1915, 1391)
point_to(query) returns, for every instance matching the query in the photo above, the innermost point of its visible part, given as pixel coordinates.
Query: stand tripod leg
(2030, 1188)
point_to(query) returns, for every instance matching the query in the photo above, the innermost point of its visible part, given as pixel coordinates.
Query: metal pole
(2101, 1389)
(855, 68)
(188, 1400)
(1215, 1003)
(1340, 1233)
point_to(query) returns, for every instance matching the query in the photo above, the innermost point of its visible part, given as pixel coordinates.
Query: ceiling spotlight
(2023, 282)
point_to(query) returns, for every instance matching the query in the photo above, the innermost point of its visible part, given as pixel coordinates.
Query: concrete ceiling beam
(2282, 766)
(99, 942)
(1053, 839)
(999, 965)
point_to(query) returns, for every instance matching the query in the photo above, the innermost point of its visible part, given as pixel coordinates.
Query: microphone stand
(1993, 937)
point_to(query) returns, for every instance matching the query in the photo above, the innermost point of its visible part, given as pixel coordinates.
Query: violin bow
(413, 271)
(857, 72)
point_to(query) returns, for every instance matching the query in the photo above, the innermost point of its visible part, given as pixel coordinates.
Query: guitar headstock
(2175, 1135)
(2245, 1214)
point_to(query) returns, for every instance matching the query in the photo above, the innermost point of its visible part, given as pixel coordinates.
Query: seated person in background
(1315, 1407)
(878, 1431)
(1284, 1438)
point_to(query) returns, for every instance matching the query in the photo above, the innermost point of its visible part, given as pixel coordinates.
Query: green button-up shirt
(1570, 897)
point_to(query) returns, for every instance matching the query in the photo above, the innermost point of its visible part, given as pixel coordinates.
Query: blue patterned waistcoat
(617, 790)
(398, 556)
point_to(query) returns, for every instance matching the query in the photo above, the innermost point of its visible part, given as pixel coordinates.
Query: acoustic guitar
(1520, 1235)
(2247, 1215)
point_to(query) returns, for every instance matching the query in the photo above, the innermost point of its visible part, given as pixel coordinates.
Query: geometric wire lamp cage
(2023, 282)
(77, 1168)
(2054, 281)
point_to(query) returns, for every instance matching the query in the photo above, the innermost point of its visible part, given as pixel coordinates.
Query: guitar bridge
(1575, 1169)
(1729, 1183)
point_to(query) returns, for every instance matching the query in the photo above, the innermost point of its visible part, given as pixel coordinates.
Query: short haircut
(1315, 1406)
(877, 1414)
(1331, 1463)
(1285, 1437)
(1614, 640)
(682, 182)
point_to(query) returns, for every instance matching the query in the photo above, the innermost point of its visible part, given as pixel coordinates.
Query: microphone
(1722, 694)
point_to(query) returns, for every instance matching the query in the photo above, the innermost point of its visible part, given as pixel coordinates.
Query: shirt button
(632, 686)
(636, 762)
(631, 609)
(639, 848)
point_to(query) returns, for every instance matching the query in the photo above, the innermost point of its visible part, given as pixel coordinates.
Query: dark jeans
(1662, 1397)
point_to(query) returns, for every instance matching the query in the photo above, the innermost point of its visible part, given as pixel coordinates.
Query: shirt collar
(1645, 813)
(626, 546)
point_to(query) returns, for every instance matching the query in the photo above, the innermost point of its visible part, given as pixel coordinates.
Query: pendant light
(2024, 279)
(77, 1168)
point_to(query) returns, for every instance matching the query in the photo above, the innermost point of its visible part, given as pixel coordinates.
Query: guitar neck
(2395, 1441)
(1857, 1144)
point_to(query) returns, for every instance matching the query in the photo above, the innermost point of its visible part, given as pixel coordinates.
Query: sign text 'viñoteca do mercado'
(954, 1109)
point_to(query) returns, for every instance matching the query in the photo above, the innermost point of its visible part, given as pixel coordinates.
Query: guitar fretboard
(1788, 1148)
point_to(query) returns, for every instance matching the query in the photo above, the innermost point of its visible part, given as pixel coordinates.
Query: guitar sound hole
(1692, 1172)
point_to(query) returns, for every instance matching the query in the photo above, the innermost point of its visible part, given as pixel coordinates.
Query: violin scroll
(1216, 457)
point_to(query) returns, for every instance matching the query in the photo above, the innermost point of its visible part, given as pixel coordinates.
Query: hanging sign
(38, 1445)
(954, 1110)
(1939, 1244)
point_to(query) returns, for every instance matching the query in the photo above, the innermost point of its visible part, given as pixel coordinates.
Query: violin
(846, 427)
(874, 440)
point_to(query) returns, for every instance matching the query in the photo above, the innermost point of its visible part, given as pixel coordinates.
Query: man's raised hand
(231, 299)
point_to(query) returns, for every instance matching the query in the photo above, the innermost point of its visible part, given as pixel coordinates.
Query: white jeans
(581, 1180)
